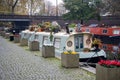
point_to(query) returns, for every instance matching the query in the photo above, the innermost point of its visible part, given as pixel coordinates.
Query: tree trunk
(13, 7)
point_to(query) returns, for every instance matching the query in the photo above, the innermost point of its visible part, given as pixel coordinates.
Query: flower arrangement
(47, 24)
(96, 44)
(72, 25)
(109, 63)
(96, 41)
(70, 52)
(41, 25)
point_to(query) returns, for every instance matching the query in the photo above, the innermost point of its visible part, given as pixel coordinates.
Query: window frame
(58, 41)
(104, 31)
(45, 40)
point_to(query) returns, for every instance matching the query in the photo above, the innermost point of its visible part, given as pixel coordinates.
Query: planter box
(70, 60)
(7, 35)
(16, 38)
(34, 46)
(24, 42)
(104, 73)
(3, 33)
(48, 51)
(11, 38)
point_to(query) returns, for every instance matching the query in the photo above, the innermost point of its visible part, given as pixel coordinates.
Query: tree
(48, 7)
(82, 10)
(34, 6)
(13, 5)
(5, 6)
(21, 6)
(112, 6)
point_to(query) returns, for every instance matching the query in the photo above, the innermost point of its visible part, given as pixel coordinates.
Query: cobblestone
(18, 63)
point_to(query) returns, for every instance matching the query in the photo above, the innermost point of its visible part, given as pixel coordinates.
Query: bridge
(14, 18)
(4, 17)
(23, 21)
(26, 20)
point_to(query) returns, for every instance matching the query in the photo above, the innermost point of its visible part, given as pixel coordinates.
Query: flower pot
(3, 33)
(104, 73)
(39, 30)
(11, 38)
(7, 35)
(48, 51)
(34, 46)
(70, 60)
(16, 38)
(23, 42)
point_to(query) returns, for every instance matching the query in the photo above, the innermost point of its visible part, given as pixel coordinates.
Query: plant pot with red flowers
(108, 70)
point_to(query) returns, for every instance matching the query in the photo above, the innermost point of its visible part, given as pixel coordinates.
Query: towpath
(18, 63)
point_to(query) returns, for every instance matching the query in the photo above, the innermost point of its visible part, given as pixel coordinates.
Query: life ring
(69, 43)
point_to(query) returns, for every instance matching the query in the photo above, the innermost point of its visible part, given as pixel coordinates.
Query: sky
(54, 1)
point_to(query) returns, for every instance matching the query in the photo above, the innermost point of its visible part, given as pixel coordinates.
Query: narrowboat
(75, 41)
(24, 36)
(110, 36)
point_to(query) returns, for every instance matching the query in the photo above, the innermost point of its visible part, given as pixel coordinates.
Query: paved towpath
(18, 63)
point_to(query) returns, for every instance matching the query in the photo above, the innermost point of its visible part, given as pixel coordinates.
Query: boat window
(45, 40)
(36, 37)
(116, 32)
(87, 30)
(69, 43)
(57, 42)
(115, 48)
(78, 43)
(29, 35)
(25, 35)
(104, 31)
(104, 47)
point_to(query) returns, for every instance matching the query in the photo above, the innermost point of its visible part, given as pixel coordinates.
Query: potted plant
(70, 59)
(33, 45)
(72, 26)
(96, 44)
(108, 70)
(16, 38)
(49, 50)
(40, 27)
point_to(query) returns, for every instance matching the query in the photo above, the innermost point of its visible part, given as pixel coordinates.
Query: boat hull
(92, 59)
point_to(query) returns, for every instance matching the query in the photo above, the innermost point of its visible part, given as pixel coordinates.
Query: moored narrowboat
(79, 42)
(110, 36)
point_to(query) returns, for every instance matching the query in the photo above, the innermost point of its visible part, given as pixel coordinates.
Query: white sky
(54, 1)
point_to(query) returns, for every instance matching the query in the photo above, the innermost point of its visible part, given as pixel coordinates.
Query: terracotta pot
(39, 30)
